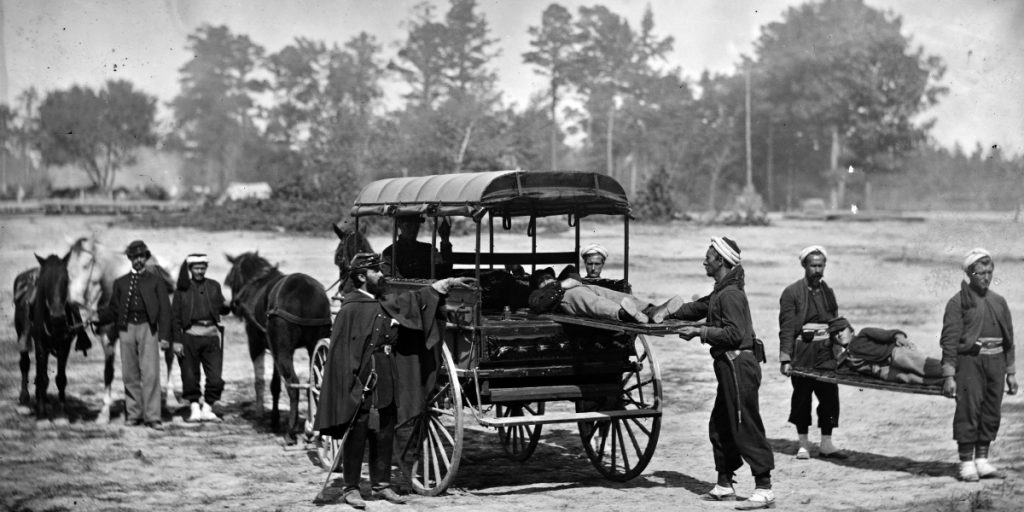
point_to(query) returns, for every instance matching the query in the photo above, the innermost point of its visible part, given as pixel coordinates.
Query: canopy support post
(625, 250)
(433, 244)
(490, 219)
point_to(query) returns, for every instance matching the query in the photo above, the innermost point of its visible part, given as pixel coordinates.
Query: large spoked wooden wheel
(430, 447)
(327, 447)
(620, 448)
(519, 441)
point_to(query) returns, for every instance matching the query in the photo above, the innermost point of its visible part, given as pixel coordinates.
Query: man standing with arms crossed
(810, 301)
(977, 356)
(736, 430)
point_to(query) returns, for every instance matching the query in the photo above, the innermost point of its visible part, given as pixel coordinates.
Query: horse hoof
(44, 424)
(24, 410)
(61, 422)
(104, 417)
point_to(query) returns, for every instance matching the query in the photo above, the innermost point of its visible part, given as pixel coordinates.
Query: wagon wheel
(621, 448)
(326, 446)
(430, 447)
(519, 441)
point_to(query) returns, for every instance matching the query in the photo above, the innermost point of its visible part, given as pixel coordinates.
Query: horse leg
(259, 382)
(42, 381)
(108, 379)
(62, 384)
(275, 397)
(286, 370)
(257, 351)
(170, 401)
(25, 364)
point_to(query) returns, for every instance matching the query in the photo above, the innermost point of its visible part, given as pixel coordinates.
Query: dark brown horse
(282, 313)
(52, 326)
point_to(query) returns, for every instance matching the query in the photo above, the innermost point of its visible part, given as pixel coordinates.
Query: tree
(612, 59)
(100, 132)
(215, 110)
(447, 66)
(851, 80)
(8, 139)
(553, 42)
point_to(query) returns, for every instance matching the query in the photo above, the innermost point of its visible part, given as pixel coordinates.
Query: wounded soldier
(882, 353)
(569, 295)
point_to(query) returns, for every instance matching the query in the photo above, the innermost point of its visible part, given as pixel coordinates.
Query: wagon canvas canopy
(500, 193)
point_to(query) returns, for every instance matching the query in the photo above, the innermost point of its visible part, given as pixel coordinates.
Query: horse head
(52, 286)
(246, 268)
(350, 242)
(84, 274)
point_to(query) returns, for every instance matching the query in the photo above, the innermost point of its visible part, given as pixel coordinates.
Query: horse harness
(273, 297)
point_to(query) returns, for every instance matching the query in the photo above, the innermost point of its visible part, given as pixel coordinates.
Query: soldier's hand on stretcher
(689, 332)
(1011, 384)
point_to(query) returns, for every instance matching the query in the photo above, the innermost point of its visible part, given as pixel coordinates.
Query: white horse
(92, 269)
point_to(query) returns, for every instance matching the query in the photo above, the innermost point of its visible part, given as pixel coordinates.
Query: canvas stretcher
(863, 381)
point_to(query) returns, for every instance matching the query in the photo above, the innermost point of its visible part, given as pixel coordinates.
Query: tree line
(835, 86)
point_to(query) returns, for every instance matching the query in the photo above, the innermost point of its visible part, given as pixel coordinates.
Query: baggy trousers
(979, 397)
(800, 403)
(596, 302)
(140, 371)
(381, 448)
(736, 430)
(202, 351)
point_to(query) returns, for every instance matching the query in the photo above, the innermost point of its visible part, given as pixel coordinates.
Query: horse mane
(250, 267)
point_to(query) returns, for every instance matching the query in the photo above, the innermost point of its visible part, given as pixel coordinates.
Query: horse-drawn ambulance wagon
(502, 366)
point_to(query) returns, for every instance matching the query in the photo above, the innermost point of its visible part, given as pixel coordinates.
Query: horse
(282, 313)
(92, 270)
(51, 330)
(350, 243)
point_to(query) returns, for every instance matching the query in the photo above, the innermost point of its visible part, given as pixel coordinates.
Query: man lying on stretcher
(567, 294)
(882, 353)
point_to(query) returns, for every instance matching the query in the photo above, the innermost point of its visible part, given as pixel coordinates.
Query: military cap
(137, 248)
(365, 260)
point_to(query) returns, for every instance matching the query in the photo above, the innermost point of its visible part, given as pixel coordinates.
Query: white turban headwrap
(725, 250)
(193, 259)
(812, 249)
(972, 257)
(594, 249)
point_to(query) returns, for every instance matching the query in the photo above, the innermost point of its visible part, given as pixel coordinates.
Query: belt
(386, 349)
(990, 342)
(204, 323)
(733, 354)
(990, 351)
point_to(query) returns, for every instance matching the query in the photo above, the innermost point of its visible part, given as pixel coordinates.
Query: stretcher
(863, 381)
(666, 328)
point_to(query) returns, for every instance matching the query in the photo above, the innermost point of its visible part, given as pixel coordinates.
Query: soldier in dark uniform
(977, 357)
(195, 314)
(413, 257)
(379, 367)
(810, 301)
(735, 429)
(142, 314)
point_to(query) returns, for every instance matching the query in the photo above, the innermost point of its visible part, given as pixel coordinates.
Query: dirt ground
(885, 274)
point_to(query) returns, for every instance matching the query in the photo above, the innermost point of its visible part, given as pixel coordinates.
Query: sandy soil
(885, 274)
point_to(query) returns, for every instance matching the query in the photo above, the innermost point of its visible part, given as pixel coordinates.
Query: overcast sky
(56, 43)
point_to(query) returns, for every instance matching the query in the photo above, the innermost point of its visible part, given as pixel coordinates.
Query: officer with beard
(379, 368)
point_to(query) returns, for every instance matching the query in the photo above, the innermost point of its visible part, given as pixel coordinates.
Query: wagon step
(566, 417)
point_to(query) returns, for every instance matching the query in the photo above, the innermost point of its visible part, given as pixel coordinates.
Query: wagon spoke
(440, 393)
(444, 454)
(622, 444)
(632, 437)
(641, 426)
